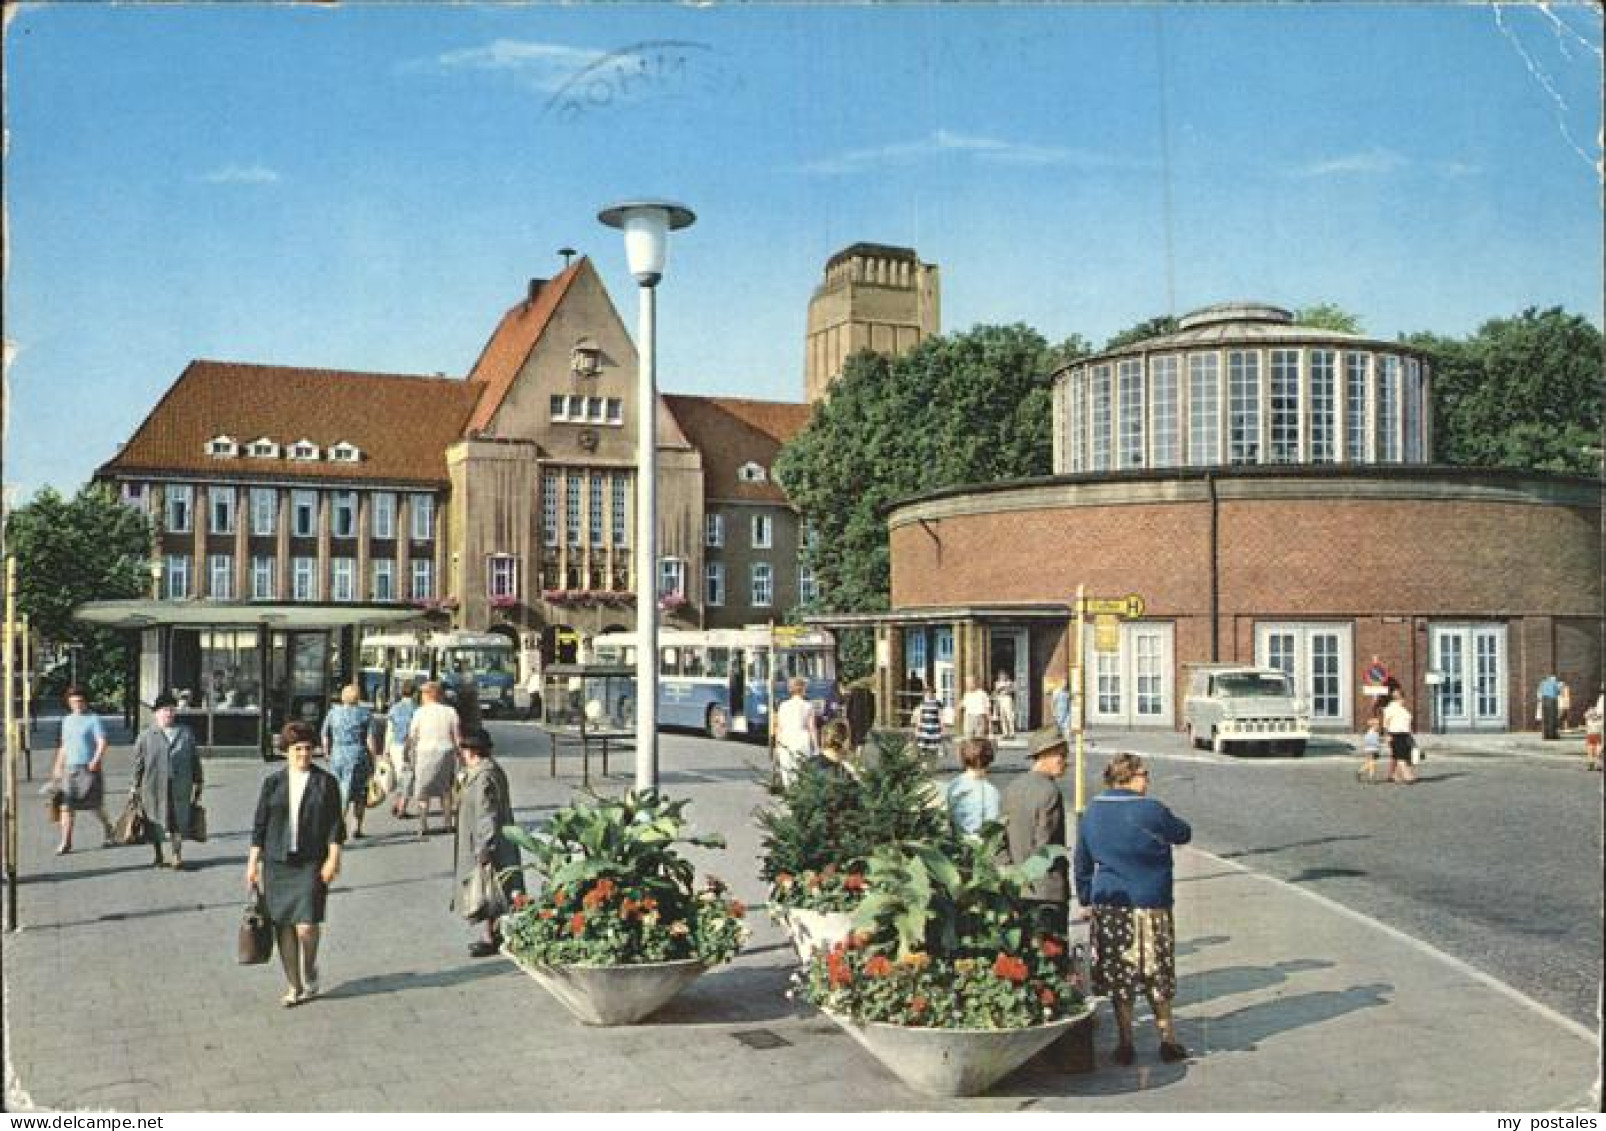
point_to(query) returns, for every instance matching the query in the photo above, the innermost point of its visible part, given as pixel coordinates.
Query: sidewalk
(121, 993)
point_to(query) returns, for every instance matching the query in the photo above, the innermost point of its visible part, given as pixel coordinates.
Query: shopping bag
(130, 827)
(255, 945)
(197, 829)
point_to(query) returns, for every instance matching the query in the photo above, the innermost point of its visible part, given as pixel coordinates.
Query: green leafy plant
(617, 891)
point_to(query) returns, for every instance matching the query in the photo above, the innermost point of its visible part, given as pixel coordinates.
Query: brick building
(1262, 486)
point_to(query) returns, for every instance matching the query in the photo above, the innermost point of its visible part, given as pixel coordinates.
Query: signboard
(1375, 672)
(1106, 633)
(1130, 606)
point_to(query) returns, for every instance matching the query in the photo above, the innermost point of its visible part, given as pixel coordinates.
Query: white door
(1316, 657)
(1471, 662)
(1008, 654)
(1133, 687)
(942, 664)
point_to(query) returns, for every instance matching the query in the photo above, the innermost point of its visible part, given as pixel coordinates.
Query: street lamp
(646, 225)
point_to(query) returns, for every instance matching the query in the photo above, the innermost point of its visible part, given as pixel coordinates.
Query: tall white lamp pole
(646, 225)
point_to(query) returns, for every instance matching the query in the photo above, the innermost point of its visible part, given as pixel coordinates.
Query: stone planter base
(816, 930)
(613, 995)
(954, 1062)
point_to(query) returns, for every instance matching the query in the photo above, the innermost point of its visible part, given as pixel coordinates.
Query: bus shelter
(240, 671)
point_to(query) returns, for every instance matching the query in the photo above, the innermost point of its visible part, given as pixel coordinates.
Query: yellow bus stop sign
(1129, 607)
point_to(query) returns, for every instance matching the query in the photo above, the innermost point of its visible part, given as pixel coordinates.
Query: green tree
(68, 551)
(961, 408)
(1149, 328)
(1327, 316)
(1522, 392)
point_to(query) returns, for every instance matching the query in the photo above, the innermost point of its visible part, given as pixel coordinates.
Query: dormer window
(751, 472)
(304, 450)
(222, 447)
(345, 453)
(586, 359)
(262, 448)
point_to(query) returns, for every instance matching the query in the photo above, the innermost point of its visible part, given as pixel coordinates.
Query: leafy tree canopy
(1149, 328)
(1522, 392)
(68, 551)
(1327, 316)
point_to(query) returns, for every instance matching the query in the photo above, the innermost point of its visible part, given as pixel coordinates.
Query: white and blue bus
(726, 681)
(388, 659)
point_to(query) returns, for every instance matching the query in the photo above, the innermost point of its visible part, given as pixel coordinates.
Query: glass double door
(1469, 661)
(1132, 686)
(1317, 659)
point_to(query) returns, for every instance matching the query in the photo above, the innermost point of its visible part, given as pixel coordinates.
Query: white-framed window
(751, 472)
(1099, 443)
(616, 411)
(1413, 410)
(220, 508)
(714, 583)
(714, 530)
(1243, 407)
(1078, 421)
(383, 584)
(343, 514)
(344, 452)
(763, 585)
(1323, 405)
(1129, 387)
(342, 579)
(1471, 661)
(573, 482)
(1355, 388)
(1132, 686)
(671, 577)
(559, 406)
(621, 498)
(1284, 392)
(502, 577)
(303, 450)
(135, 496)
(220, 577)
(1165, 443)
(303, 579)
(1316, 658)
(263, 586)
(1204, 409)
(382, 505)
(763, 531)
(222, 447)
(178, 508)
(549, 508)
(596, 504)
(423, 581)
(304, 513)
(262, 448)
(423, 508)
(264, 510)
(1388, 416)
(807, 588)
(176, 577)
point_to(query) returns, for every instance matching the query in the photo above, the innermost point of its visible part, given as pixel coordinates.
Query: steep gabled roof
(504, 355)
(402, 424)
(730, 432)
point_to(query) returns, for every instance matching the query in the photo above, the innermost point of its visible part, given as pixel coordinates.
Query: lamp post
(646, 225)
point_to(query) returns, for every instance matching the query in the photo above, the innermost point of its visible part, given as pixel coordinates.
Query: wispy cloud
(242, 175)
(1378, 162)
(941, 143)
(541, 66)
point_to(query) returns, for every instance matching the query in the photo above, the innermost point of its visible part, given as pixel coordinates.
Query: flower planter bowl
(954, 1062)
(817, 930)
(613, 995)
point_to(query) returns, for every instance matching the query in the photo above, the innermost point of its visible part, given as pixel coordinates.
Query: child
(972, 800)
(1594, 724)
(1372, 744)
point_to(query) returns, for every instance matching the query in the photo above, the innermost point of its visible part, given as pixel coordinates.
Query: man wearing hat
(1034, 816)
(484, 809)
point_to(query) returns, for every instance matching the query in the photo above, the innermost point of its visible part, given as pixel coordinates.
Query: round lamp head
(646, 225)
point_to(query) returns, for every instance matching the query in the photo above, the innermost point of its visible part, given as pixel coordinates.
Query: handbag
(1418, 755)
(375, 795)
(197, 829)
(130, 827)
(256, 932)
(480, 896)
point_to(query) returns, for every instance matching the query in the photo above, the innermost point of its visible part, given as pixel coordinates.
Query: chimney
(535, 289)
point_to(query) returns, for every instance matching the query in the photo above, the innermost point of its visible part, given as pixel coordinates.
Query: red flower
(1010, 968)
(854, 882)
(918, 1004)
(577, 925)
(649, 904)
(737, 909)
(877, 967)
(841, 973)
(627, 908)
(599, 894)
(1051, 947)
(546, 913)
(558, 897)
(1046, 996)
(520, 901)
(783, 880)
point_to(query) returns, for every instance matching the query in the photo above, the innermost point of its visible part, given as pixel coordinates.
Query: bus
(727, 681)
(386, 660)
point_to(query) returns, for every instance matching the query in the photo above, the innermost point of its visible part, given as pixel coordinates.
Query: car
(1244, 707)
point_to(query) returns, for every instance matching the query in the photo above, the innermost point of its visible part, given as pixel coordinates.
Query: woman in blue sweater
(1123, 877)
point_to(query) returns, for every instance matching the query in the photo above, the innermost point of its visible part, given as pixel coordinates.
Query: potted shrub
(619, 926)
(947, 978)
(824, 826)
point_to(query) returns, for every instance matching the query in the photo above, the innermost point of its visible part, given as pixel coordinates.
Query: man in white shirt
(976, 710)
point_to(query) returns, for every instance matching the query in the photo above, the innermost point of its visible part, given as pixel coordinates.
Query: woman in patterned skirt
(1123, 878)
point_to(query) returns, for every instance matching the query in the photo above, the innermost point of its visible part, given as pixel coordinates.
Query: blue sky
(367, 187)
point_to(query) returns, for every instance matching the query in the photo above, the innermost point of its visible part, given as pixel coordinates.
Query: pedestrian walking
(348, 740)
(1371, 746)
(971, 799)
(1004, 703)
(1549, 711)
(167, 779)
(296, 838)
(797, 735)
(1034, 817)
(79, 768)
(1397, 725)
(1594, 724)
(432, 739)
(1124, 882)
(1061, 706)
(399, 721)
(928, 727)
(484, 809)
(975, 710)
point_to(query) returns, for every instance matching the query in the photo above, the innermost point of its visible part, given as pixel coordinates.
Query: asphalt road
(1495, 860)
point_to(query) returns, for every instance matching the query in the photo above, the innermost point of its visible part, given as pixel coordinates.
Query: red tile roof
(402, 424)
(730, 432)
(509, 348)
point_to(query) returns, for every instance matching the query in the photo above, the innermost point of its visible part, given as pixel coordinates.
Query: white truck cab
(1239, 705)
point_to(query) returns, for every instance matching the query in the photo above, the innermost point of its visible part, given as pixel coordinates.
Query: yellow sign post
(1078, 702)
(11, 745)
(1107, 613)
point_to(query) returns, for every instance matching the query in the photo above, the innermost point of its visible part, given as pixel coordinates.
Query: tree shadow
(1310, 875)
(1269, 849)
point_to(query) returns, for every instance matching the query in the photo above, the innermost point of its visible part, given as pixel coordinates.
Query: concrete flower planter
(816, 930)
(954, 1062)
(613, 995)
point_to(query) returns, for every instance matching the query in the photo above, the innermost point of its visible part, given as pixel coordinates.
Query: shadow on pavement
(1193, 946)
(1309, 875)
(409, 980)
(1229, 980)
(1269, 849)
(731, 995)
(1242, 1030)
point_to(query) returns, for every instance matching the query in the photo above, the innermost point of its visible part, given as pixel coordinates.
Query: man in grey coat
(1034, 816)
